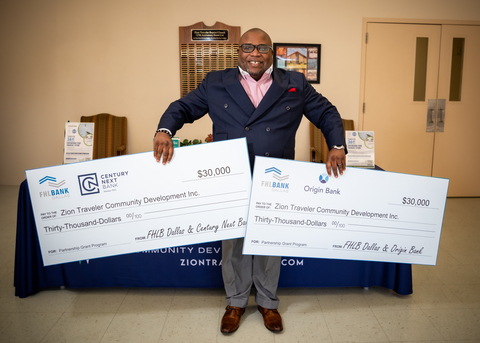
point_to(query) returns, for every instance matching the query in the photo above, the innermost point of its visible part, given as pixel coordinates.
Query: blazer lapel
(276, 90)
(236, 91)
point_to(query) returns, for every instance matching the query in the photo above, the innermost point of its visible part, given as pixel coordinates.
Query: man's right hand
(162, 145)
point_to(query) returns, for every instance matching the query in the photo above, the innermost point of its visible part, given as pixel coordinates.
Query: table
(189, 266)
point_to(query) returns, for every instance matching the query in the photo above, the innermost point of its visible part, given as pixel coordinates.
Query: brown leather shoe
(271, 318)
(231, 319)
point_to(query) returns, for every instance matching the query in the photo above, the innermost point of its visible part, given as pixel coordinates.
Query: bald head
(256, 31)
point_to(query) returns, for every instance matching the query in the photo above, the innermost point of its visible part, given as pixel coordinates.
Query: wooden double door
(421, 98)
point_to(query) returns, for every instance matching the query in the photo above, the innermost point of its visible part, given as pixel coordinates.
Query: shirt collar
(267, 74)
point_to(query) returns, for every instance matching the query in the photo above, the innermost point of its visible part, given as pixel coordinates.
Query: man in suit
(265, 105)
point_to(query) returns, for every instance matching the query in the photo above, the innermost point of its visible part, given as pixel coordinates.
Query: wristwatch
(339, 147)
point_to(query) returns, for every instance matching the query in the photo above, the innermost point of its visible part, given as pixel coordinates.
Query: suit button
(287, 108)
(267, 129)
(267, 154)
(247, 129)
(226, 105)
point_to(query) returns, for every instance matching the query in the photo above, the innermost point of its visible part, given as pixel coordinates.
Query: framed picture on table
(303, 58)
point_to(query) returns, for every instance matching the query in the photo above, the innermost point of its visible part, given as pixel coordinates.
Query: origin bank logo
(277, 185)
(88, 184)
(56, 189)
(323, 178)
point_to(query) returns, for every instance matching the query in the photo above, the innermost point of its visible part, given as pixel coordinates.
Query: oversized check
(132, 203)
(296, 209)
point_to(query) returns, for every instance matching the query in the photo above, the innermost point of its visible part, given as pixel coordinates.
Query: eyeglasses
(261, 48)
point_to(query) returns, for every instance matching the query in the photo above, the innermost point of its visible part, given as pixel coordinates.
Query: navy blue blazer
(271, 127)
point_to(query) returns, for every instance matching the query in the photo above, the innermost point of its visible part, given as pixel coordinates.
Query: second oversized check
(296, 209)
(132, 203)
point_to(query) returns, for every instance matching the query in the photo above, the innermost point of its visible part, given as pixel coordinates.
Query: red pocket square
(292, 90)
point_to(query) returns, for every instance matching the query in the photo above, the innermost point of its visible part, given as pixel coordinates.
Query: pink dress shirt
(256, 89)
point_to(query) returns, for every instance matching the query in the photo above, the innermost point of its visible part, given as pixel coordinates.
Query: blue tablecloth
(190, 266)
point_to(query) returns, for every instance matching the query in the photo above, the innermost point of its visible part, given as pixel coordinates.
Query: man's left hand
(336, 161)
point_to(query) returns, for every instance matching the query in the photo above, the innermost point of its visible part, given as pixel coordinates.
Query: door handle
(441, 115)
(431, 115)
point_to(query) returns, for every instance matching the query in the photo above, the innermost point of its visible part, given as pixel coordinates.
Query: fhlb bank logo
(88, 184)
(278, 185)
(57, 192)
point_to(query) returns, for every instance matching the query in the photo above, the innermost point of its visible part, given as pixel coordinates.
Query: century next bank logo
(56, 190)
(279, 185)
(108, 182)
(88, 184)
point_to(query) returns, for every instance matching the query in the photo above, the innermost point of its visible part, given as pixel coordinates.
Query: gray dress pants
(241, 271)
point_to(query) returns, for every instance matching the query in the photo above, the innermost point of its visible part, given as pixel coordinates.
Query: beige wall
(61, 59)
